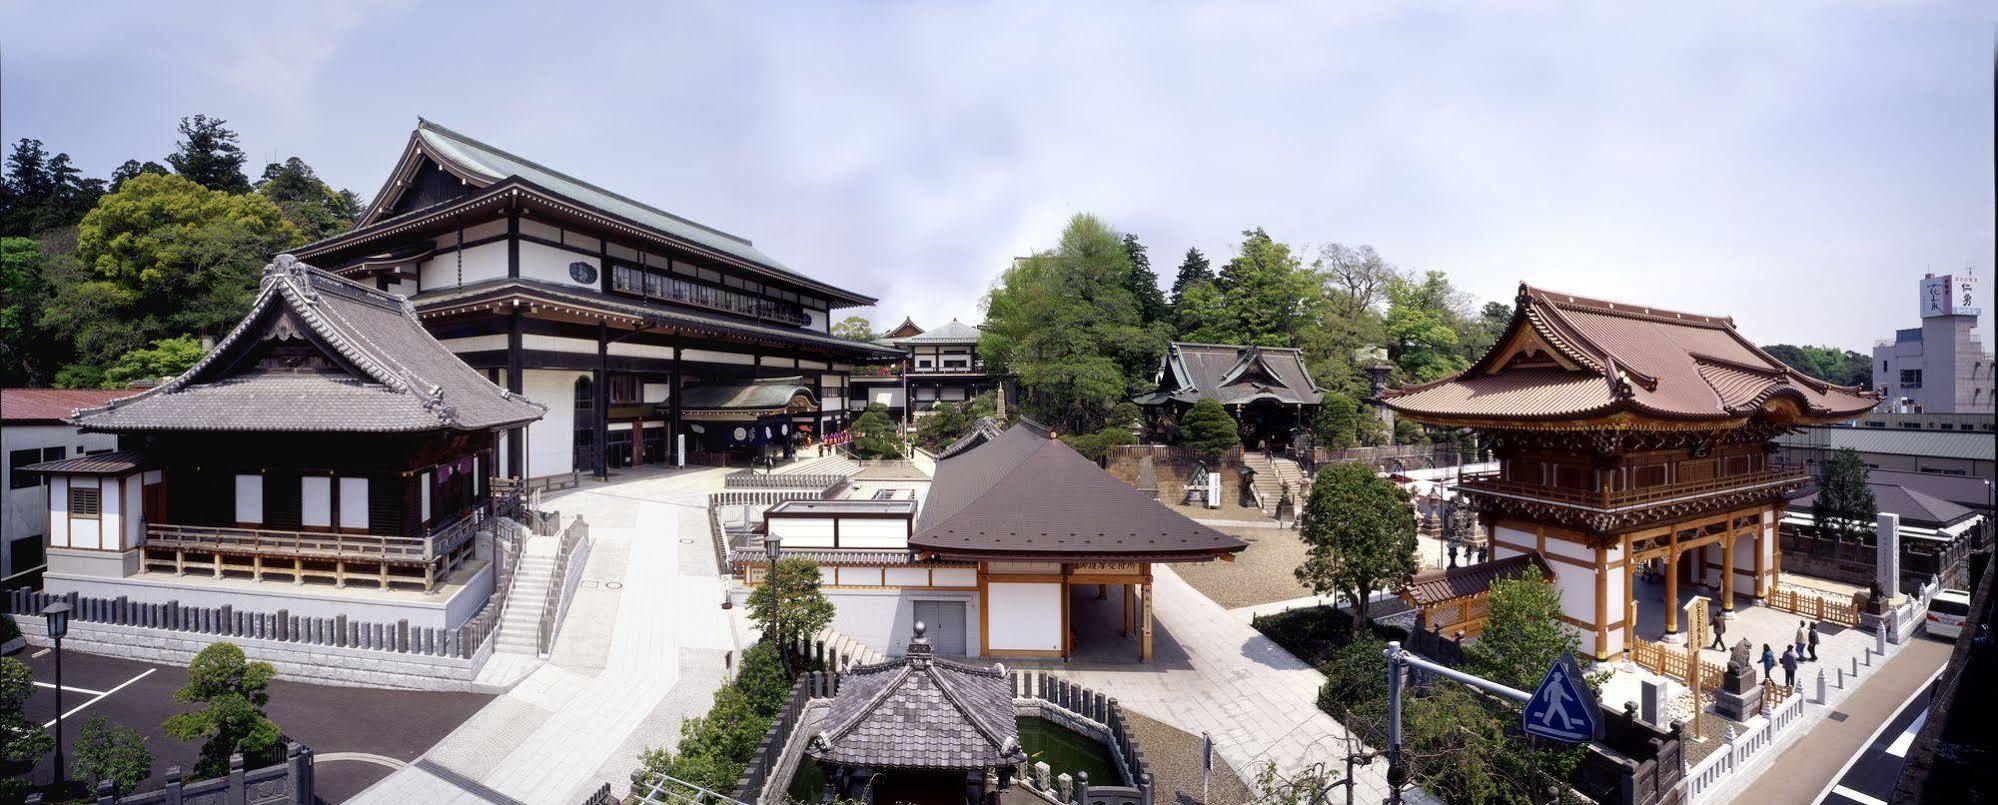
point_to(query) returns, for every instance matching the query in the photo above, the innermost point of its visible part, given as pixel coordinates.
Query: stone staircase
(520, 622)
(1271, 475)
(850, 652)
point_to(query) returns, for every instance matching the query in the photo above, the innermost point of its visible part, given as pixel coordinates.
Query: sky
(1797, 166)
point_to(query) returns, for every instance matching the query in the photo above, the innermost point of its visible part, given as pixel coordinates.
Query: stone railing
(508, 536)
(287, 783)
(225, 622)
(1097, 712)
(767, 497)
(751, 479)
(720, 537)
(1761, 735)
(562, 583)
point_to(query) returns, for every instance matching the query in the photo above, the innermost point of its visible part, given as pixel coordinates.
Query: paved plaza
(623, 672)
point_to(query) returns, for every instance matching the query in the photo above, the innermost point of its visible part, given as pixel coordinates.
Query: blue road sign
(1563, 708)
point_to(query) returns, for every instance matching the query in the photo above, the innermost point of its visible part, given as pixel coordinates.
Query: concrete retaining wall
(303, 662)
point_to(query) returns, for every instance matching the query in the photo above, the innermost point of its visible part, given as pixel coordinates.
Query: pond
(1064, 750)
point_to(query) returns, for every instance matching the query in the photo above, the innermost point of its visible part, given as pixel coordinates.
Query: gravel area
(1260, 574)
(1174, 755)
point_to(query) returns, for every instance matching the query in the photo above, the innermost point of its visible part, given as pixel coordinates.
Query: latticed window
(85, 501)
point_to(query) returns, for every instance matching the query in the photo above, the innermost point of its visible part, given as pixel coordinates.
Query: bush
(762, 680)
(234, 691)
(114, 752)
(714, 748)
(8, 630)
(1208, 430)
(1094, 446)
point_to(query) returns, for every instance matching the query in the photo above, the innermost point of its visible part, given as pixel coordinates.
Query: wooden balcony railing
(392, 549)
(1490, 482)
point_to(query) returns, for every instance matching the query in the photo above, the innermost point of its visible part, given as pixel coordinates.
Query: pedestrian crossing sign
(1562, 707)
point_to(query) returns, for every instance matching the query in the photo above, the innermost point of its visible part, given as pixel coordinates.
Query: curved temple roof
(388, 374)
(1233, 374)
(920, 712)
(1565, 358)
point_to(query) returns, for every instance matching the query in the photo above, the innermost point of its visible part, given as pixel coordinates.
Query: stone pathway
(641, 647)
(1214, 673)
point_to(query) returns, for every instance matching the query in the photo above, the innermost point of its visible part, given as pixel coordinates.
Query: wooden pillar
(673, 428)
(1672, 584)
(600, 399)
(1129, 609)
(516, 442)
(1602, 602)
(1727, 571)
(1761, 567)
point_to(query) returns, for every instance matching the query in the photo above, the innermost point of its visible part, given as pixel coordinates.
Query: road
(1869, 779)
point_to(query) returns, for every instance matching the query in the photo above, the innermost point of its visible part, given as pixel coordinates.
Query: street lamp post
(58, 625)
(773, 548)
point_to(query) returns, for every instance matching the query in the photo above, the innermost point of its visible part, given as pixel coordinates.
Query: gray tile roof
(1897, 441)
(394, 376)
(956, 332)
(1024, 493)
(919, 712)
(1233, 374)
(1917, 508)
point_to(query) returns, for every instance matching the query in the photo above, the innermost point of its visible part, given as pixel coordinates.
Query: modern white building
(1941, 366)
(32, 431)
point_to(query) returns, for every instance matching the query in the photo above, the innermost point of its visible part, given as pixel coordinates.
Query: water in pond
(1064, 751)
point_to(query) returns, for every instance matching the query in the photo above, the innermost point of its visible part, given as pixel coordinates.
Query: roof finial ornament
(919, 648)
(1521, 297)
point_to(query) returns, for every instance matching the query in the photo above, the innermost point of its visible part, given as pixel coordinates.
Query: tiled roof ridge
(971, 714)
(1178, 344)
(423, 124)
(1557, 327)
(887, 689)
(1624, 309)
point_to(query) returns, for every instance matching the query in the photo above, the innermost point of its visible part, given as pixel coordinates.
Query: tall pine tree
(1267, 291)
(1144, 283)
(209, 156)
(315, 208)
(1192, 271)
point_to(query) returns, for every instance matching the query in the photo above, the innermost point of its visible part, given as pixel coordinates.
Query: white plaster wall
(1744, 565)
(1577, 586)
(83, 530)
(1025, 616)
(802, 532)
(551, 440)
(58, 508)
(1562, 547)
(1503, 534)
(135, 519)
(631, 350)
(26, 509)
(956, 577)
(820, 321)
(908, 576)
(483, 262)
(111, 520)
(885, 619)
(549, 264)
(655, 392)
(855, 532)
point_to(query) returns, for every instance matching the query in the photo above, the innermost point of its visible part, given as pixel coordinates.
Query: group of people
(1805, 649)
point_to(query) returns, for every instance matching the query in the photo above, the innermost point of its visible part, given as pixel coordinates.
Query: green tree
(163, 257)
(714, 748)
(1203, 318)
(944, 423)
(1094, 446)
(115, 752)
(1193, 270)
(1843, 367)
(1421, 327)
(854, 328)
(874, 434)
(1843, 507)
(1064, 322)
(1266, 291)
(982, 406)
(313, 207)
(26, 348)
(1525, 635)
(1144, 284)
(802, 608)
(232, 691)
(763, 680)
(208, 155)
(1408, 431)
(42, 192)
(167, 357)
(133, 167)
(1208, 430)
(23, 742)
(1359, 535)
(1337, 424)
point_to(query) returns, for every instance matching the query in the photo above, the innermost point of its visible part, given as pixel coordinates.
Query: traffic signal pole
(1398, 660)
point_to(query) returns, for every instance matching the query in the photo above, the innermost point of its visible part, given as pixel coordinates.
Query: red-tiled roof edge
(26, 404)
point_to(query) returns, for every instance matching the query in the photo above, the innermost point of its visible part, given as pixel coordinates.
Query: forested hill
(1830, 364)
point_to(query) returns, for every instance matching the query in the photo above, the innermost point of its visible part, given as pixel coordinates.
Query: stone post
(1081, 788)
(1887, 554)
(106, 794)
(1821, 687)
(283, 621)
(298, 771)
(1879, 642)
(171, 793)
(235, 794)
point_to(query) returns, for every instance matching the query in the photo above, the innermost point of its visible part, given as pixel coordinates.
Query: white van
(1948, 612)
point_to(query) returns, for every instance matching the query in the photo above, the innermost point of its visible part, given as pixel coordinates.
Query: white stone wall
(884, 619)
(1026, 616)
(295, 661)
(551, 447)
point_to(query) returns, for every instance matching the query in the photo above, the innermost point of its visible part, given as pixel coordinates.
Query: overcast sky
(1799, 171)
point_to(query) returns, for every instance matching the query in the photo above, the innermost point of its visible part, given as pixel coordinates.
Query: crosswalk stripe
(1858, 796)
(1899, 748)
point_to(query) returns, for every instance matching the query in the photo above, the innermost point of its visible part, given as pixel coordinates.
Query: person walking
(1802, 637)
(1719, 626)
(1768, 662)
(1789, 668)
(1814, 642)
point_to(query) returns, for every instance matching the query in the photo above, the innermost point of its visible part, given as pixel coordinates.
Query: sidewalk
(1814, 760)
(641, 647)
(1212, 672)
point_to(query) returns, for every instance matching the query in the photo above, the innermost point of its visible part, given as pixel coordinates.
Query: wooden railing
(1813, 605)
(1619, 498)
(1671, 661)
(317, 544)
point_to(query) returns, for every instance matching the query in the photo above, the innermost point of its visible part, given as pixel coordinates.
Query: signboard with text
(1950, 295)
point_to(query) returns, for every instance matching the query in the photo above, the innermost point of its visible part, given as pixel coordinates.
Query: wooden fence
(1813, 605)
(1671, 661)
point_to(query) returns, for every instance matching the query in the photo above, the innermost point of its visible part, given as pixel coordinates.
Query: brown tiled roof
(1233, 374)
(111, 463)
(22, 406)
(1566, 356)
(390, 375)
(1024, 493)
(1432, 587)
(921, 712)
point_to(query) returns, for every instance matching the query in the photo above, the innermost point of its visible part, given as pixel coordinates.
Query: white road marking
(40, 654)
(1899, 748)
(70, 688)
(1858, 796)
(73, 711)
